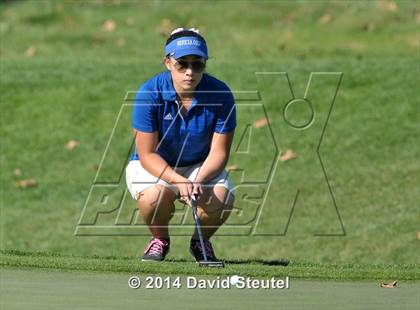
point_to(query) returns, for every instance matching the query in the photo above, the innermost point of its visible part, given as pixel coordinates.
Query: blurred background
(66, 67)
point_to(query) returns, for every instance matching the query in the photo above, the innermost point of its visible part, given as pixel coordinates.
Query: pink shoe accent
(156, 246)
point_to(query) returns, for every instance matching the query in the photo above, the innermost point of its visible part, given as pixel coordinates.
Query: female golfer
(183, 121)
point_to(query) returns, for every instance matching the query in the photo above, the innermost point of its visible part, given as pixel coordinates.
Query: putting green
(47, 289)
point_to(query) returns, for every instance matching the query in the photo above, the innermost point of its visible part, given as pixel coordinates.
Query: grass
(73, 86)
(246, 268)
(76, 290)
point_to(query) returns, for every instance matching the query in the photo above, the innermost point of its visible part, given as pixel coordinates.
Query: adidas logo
(168, 117)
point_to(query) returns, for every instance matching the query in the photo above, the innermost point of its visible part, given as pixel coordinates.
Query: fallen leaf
(355, 46)
(69, 21)
(17, 172)
(26, 183)
(414, 41)
(120, 42)
(238, 211)
(290, 18)
(369, 27)
(258, 52)
(30, 51)
(417, 15)
(325, 19)
(392, 284)
(98, 38)
(165, 27)
(261, 122)
(72, 144)
(418, 235)
(289, 35)
(109, 25)
(232, 167)
(287, 155)
(391, 6)
(129, 21)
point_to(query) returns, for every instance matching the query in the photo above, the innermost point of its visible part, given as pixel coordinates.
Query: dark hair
(184, 33)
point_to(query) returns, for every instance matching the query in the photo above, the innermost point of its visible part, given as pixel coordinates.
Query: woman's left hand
(197, 189)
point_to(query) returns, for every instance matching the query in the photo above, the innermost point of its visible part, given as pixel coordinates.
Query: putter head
(217, 264)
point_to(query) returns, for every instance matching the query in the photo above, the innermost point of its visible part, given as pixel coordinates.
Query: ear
(167, 63)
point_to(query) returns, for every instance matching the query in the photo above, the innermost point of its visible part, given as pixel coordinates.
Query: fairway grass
(263, 269)
(85, 290)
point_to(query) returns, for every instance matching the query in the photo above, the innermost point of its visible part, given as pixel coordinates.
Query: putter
(205, 262)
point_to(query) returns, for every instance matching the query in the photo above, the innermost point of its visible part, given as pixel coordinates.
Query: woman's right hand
(185, 187)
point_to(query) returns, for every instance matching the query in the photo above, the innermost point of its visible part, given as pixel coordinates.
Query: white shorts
(138, 178)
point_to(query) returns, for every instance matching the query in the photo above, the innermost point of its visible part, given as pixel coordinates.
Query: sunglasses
(182, 65)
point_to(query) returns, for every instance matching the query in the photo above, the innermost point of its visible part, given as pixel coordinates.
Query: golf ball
(234, 280)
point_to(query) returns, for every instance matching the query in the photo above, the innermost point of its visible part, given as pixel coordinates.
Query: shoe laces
(156, 246)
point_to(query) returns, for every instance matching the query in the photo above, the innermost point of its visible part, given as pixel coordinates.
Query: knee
(216, 207)
(218, 213)
(155, 196)
(218, 199)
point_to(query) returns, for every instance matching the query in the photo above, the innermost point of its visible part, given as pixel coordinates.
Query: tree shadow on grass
(274, 262)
